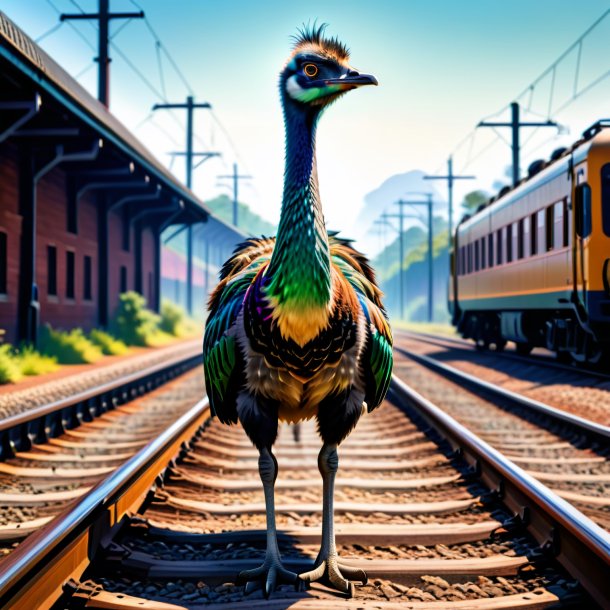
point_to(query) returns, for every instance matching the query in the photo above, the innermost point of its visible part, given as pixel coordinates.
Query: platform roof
(46, 74)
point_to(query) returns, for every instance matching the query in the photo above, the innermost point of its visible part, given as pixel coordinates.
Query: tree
(474, 199)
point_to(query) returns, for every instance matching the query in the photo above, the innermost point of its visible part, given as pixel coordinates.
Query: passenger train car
(533, 264)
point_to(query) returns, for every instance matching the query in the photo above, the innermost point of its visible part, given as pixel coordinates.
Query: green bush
(133, 323)
(174, 321)
(9, 369)
(68, 347)
(172, 318)
(31, 362)
(107, 343)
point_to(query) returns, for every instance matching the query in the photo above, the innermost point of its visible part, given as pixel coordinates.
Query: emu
(296, 327)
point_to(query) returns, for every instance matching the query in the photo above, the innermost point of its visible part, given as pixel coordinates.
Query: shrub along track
(433, 514)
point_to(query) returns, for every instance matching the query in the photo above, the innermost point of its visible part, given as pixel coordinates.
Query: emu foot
(336, 575)
(268, 577)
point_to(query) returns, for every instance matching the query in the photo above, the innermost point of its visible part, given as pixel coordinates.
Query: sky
(442, 66)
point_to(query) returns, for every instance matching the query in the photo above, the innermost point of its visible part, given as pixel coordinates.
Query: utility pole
(384, 222)
(428, 204)
(450, 177)
(236, 177)
(401, 256)
(515, 124)
(190, 106)
(103, 17)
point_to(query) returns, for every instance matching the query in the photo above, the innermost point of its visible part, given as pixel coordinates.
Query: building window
(126, 226)
(87, 278)
(51, 270)
(69, 274)
(3, 262)
(123, 279)
(490, 250)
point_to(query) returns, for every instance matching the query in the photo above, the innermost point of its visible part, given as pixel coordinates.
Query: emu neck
(300, 286)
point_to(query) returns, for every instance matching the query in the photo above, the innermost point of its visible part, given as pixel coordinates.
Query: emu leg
(271, 573)
(328, 569)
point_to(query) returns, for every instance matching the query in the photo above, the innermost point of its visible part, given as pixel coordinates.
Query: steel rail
(19, 432)
(598, 431)
(468, 346)
(35, 572)
(580, 545)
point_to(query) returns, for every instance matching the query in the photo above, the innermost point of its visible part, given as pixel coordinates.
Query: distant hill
(382, 200)
(249, 221)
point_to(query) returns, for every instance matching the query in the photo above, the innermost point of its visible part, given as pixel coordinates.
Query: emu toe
(268, 577)
(335, 575)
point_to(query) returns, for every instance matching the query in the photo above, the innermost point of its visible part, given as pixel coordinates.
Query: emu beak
(351, 80)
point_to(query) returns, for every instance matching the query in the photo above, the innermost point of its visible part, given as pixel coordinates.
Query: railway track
(437, 517)
(568, 453)
(54, 453)
(540, 357)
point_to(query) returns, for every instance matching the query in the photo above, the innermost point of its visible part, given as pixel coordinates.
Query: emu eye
(310, 70)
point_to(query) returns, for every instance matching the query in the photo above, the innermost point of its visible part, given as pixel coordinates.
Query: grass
(434, 328)
(71, 347)
(109, 345)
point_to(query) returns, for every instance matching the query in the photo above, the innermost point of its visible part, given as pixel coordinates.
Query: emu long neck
(300, 266)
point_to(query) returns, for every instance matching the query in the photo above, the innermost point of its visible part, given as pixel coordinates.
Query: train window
(540, 231)
(550, 234)
(490, 250)
(558, 237)
(123, 279)
(520, 238)
(87, 278)
(567, 224)
(582, 203)
(533, 235)
(477, 263)
(526, 242)
(51, 270)
(483, 253)
(509, 243)
(69, 274)
(3, 262)
(606, 198)
(499, 248)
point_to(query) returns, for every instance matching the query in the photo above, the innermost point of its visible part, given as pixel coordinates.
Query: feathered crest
(313, 34)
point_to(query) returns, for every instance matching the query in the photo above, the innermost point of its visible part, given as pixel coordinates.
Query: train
(532, 264)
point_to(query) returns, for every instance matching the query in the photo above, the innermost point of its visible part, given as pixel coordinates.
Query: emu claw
(267, 577)
(336, 575)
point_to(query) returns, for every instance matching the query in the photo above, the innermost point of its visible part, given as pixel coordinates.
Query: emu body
(296, 327)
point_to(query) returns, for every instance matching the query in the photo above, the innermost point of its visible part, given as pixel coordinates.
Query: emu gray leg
(328, 569)
(271, 573)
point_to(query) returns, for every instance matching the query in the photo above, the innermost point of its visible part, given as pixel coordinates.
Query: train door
(582, 231)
